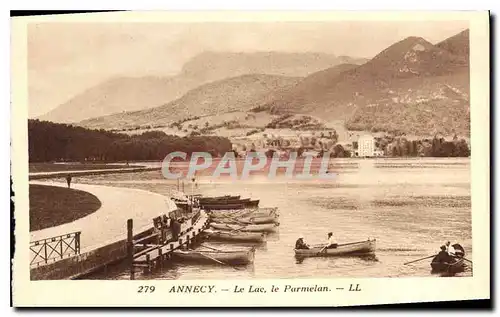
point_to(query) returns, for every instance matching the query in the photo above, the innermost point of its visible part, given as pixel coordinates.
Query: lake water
(411, 206)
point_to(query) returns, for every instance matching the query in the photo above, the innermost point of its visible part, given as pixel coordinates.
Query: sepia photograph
(266, 149)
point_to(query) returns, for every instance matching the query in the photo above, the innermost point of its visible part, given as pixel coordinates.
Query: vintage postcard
(250, 159)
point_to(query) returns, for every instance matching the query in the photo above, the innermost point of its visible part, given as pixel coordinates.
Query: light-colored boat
(239, 257)
(353, 248)
(247, 220)
(223, 235)
(268, 227)
(245, 213)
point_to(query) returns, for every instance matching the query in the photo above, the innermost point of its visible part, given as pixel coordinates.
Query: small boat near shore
(252, 203)
(222, 206)
(242, 213)
(217, 198)
(227, 201)
(353, 248)
(269, 227)
(222, 235)
(247, 220)
(237, 257)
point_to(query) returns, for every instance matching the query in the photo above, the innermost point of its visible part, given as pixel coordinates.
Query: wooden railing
(55, 248)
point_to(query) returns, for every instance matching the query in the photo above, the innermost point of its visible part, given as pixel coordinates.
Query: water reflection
(411, 210)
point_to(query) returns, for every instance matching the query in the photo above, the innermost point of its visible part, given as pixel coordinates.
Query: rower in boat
(450, 249)
(300, 244)
(443, 256)
(331, 243)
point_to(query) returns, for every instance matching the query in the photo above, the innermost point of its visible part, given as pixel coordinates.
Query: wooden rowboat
(222, 206)
(225, 202)
(451, 268)
(215, 198)
(247, 220)
(455, 265)
(353, 248)
(242, 213)
(252, 203)
(269, 227)
(222, 235)
(239, 257)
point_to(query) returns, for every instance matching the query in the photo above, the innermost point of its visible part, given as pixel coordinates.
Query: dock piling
(130, 247)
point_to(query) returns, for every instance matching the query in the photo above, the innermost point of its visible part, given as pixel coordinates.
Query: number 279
(146, 289)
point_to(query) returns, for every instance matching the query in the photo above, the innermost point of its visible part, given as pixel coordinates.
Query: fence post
(77, 242)
(45, 250)
(130, 247)
(61, 243)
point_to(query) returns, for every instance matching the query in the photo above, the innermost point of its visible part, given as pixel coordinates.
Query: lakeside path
(109, 223)
(59, 174)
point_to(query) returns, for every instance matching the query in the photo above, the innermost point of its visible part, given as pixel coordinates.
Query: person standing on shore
(68, 180)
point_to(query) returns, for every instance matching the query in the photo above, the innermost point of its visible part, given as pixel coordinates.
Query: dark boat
(225, 202)
(252, 203)
(222, 206)
(456, 265)
(218, 198)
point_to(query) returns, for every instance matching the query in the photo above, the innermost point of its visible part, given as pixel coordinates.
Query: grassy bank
(52, 167)
(53, 206)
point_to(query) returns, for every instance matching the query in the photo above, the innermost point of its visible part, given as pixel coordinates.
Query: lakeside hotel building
(366, 146)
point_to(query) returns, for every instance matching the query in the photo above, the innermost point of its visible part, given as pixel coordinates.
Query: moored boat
(242, 213)
(222, 206)
(353, 248)
(223, 235)
(269, 227)
(225, 202)
(246, 220)
(237, 257)
(252, 203)
(227, 197)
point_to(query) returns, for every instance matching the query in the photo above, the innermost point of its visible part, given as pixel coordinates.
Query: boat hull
(270, 227)
(235, 236)
(248, 220)
(252, 203)
(222, 206)
(245, 213)
(355, 248)
(208, 257)
(451, 268)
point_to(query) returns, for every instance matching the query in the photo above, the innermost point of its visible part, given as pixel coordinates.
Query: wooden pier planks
(156, 253)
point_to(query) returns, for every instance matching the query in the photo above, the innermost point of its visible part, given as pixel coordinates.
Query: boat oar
(427, 257)
(322, 249)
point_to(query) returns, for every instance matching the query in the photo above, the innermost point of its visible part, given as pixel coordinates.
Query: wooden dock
(153, 252)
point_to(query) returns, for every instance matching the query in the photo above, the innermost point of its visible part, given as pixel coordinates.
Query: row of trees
(435, 147)
(60, 142)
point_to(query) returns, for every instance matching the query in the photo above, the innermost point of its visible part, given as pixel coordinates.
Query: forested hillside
(61, 142)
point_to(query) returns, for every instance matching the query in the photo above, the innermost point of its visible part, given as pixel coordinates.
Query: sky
(65, 59)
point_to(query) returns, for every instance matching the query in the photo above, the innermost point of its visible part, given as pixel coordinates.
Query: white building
(366, 146)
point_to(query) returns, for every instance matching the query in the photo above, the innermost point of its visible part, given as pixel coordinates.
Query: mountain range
(124, 94)
(239, 93)
(413, 86)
